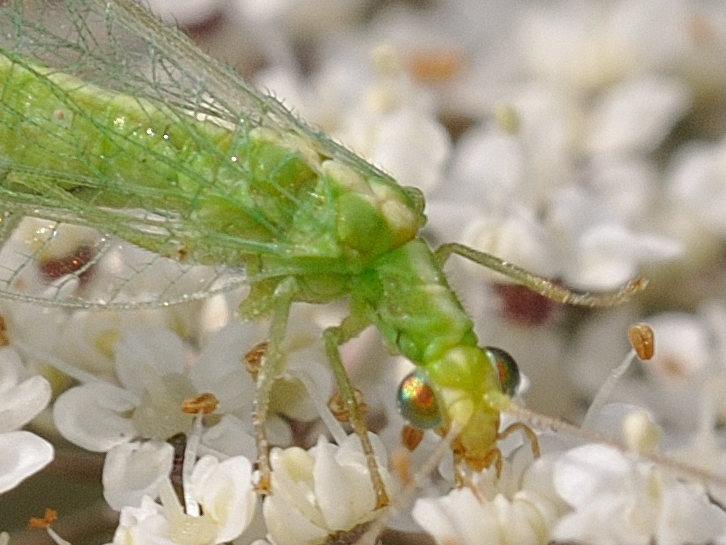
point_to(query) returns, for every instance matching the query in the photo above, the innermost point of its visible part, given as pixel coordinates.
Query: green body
(243, 185)
(223, 194)
(407, 297)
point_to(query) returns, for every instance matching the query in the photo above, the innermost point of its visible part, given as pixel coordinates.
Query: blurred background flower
(581, 139)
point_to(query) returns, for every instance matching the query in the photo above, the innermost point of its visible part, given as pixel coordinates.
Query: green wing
(111, 120)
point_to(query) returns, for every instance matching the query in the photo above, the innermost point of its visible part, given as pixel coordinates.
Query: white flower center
(159, 415)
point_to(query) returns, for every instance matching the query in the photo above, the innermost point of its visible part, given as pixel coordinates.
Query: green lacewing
(118, 124)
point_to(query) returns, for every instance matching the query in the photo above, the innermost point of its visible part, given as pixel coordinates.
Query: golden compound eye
(507, 368)
(417, 401)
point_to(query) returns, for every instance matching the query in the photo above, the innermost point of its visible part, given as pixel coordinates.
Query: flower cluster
(584, 141)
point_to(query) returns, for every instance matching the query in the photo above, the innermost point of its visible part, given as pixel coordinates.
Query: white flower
(524, 193)
(22, 454)
(374, 108)
(317, 493)
(518, 508)
(683, 350)
(637, 114)
(697, 184)
(231, 435)
(21, 399)
(304, 387)
(298, 18)
(154, 371)
(671, 383)
(462, 518)
(224, 491)
(601, 251)
(87, 339)
(153, 381)
(590, 44)
(618, 501)
(134, 470)
(157, 372)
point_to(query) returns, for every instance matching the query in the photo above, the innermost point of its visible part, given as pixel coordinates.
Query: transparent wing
(118, 45)
(121, 47)
(49, 254)
(52, 263)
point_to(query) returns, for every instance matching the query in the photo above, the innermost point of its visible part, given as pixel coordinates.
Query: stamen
(190, 457)
(606, 389)
(39, 523)
(642, 339)
(411, 437)
(203, 403)
(333, 425)
(253, 358)
(49, 516)
(55, 537)
(340, 412)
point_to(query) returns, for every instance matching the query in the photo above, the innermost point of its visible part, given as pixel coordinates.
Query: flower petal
(91, 416)
(21, 455)
(21, 404)
(134, 470)
(224, 490)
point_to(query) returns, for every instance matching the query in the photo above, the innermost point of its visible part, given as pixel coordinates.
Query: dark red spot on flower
(75, 264)
(522, 306)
